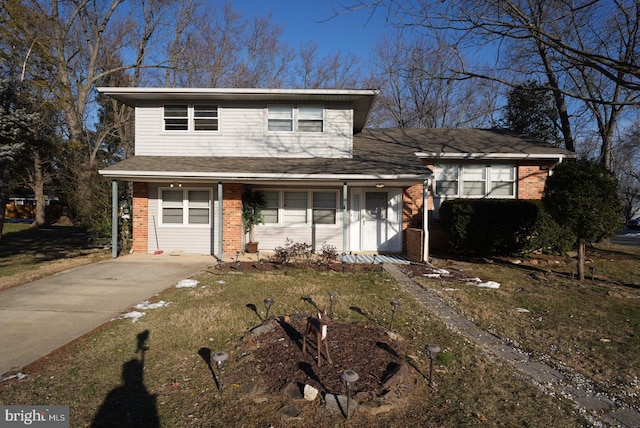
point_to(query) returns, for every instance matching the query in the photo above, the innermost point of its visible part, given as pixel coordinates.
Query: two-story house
(326, 178)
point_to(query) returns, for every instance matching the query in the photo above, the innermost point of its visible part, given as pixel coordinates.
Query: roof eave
(243, 176)
(495, 156)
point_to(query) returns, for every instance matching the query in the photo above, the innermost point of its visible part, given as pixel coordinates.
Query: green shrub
(486, 227)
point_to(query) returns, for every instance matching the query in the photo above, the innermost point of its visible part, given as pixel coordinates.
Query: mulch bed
(275, 359)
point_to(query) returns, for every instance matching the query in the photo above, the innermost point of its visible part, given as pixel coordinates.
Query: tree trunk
(5, 167)
(581, 258)
(38, 190)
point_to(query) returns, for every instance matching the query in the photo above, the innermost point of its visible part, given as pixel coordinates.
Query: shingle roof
(377, 154)
(462, 141)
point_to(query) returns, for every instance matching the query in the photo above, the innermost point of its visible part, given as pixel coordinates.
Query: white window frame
(297, 116)
(186, 206)
(191, 117)
(488, 179)
(309, 209)
(304, 117)
(275, 113)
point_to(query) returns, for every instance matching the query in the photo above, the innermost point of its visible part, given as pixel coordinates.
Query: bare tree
(335, 70)
(419, 90)
(586, 51)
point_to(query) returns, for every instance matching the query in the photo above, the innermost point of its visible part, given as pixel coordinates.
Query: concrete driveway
(41, 316)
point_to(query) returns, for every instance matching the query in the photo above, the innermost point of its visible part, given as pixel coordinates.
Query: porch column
(425, 220)
(345, 217)
(220, 221)
(114, 219)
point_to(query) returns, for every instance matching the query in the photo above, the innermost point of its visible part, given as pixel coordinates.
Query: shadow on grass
(46, 243)
(130, 405)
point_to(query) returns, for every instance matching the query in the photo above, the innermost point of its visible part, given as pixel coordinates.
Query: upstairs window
(302, 119)
(197, 118)
(205, 118)
(280, 119)
(176, 117)
(310, 119)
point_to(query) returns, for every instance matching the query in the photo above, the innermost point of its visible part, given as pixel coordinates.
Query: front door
(381, 222)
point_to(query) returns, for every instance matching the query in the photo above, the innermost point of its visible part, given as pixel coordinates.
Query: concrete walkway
(597, 408)
(39, 317)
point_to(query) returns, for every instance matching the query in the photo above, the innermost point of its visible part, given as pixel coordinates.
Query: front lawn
(156, 368)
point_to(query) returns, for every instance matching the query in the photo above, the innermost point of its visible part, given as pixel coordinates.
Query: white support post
(425, 220)
(114, 219)
(345, 218)
(220, 221)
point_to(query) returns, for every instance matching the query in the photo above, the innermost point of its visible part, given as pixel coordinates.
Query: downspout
(425, 221)
(345, 218)
(220, 222)
(114, 219)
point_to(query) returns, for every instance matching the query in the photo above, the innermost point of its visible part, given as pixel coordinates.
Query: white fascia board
(234, 176)
(235, 91)
(462, 156)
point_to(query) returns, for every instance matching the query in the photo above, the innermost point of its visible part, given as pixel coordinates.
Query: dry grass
(28, 254)
(177, 386)
(591, 328)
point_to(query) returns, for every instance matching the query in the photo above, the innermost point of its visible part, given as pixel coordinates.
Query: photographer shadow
(130, 405)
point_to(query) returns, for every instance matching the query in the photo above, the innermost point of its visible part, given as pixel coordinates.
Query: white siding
(243, 133)
(190, 239)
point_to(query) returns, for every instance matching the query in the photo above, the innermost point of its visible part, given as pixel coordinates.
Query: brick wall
(531, 180)
(232, 218)
(140, 217)
(414, 239)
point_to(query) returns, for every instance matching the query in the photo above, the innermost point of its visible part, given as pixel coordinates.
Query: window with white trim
(310, 119)
(324, 208)
(196, 118)
(302, 208)
(475, 181)
(295, 208)
(503, 182)
(300, 119)
(176, 117)
(185, 206)
(270, 212)
(280, 118)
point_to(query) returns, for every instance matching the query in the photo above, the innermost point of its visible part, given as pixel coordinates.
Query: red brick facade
(531, 180)
(232, 218)
(140, 217)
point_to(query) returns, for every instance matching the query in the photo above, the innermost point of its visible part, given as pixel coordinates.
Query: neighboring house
(325, 178)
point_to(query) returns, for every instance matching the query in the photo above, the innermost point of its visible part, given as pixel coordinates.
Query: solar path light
(349, 377)
(433, 351)
(332, 297)
(220, 357)
(394, 308)
(268, 302)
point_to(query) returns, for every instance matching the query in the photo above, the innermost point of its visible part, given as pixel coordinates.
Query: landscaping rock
(290, 413)
(310, 393)
(263, 328)
(373, 409)
(339, 403)
(292, 391)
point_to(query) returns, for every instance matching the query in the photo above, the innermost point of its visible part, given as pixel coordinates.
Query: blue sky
(308, 20)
